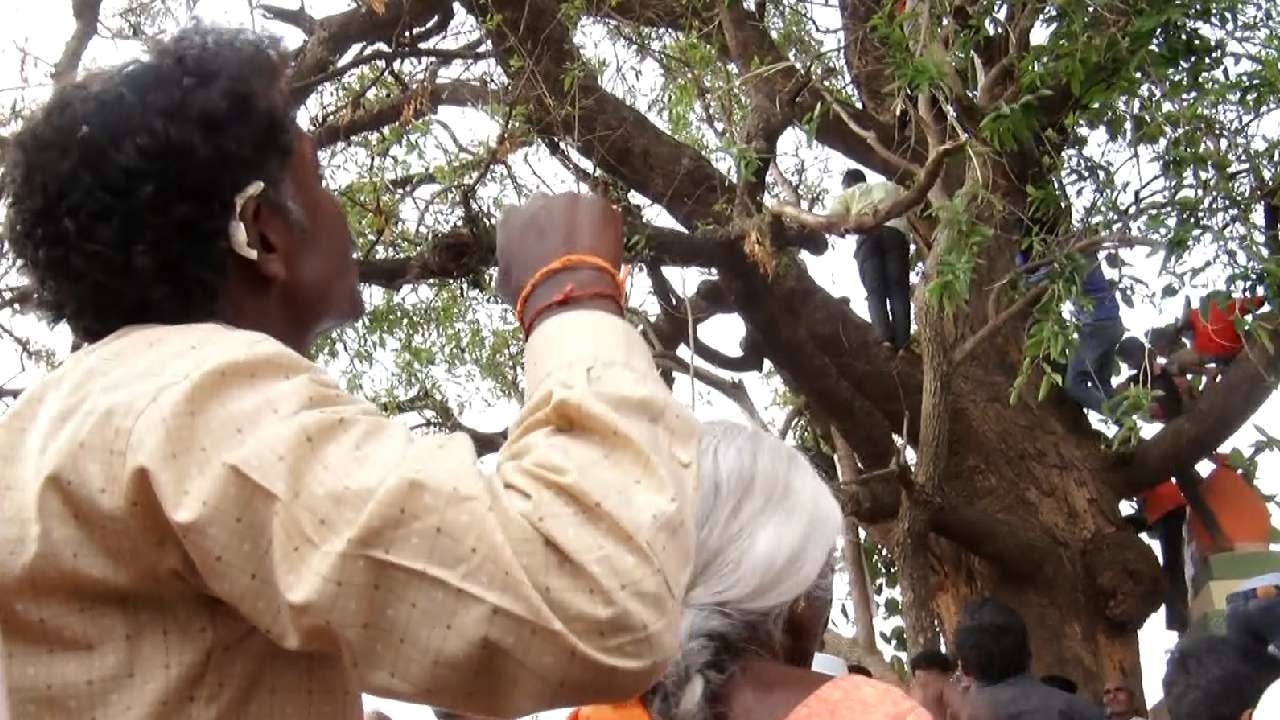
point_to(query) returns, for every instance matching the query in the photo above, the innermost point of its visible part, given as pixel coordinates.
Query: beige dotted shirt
(196, 522)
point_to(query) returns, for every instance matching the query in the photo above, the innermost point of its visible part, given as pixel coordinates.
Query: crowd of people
(197, 521)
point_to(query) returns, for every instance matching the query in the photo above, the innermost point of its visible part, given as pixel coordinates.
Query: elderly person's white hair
(766, 530)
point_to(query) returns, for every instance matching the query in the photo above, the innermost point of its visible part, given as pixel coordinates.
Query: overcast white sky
(41, 28)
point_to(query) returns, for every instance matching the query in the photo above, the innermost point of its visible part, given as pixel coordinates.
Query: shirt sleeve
(841, 205)
(556, 580)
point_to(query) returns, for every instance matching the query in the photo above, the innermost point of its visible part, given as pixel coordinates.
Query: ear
(271, 234)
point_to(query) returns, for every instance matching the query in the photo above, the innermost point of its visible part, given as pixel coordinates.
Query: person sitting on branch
(1215, 339)
(199, 521)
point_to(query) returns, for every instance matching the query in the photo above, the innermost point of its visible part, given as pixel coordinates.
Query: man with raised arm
(196, 521)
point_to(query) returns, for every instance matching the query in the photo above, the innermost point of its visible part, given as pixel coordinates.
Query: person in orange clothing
(1238, 508)
(1162, 510)
(1214, 338)
(760, 598)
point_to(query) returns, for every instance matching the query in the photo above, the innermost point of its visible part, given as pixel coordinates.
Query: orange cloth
(632, 710)
(860, 698)
(1238, 508)
(852, 696)
(1216, 336)
(1160, 501)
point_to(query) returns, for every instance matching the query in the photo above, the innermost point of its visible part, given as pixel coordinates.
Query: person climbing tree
(884, 257)
(1089, 368)
(1162, 511)
(1215, 341)
(1169, 392)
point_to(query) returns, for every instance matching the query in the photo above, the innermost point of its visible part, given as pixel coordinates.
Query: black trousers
(884, 264)
(1168, 531)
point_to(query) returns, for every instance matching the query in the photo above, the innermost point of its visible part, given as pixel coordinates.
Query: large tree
(1063, 129)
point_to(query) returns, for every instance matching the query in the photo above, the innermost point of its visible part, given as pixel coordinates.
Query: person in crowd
(1249, 651)
(1216, 677)
(932, 660)
(883, 255)
(1092, 361)
(1119, 701)
(198, 521)
(1253, 613)
(995, 650)
(759, 599)
(1061, 682)
(1215, 341)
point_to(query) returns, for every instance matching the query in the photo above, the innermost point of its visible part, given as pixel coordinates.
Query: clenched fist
(548, 227)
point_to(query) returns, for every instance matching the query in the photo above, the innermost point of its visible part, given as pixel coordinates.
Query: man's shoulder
(183, 348)
(135, 365)
(1027, 697)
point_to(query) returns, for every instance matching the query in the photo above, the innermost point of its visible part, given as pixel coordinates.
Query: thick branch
(671, 329)
(329, 38)
(469, 51)
(1016, 548)
(455, 254)
(1210, 421)
(994, 84)
(773, 85)
(462, 252)
(830, 358)
(547, 73)
(298, 18)
(86, 14)
(406, 107)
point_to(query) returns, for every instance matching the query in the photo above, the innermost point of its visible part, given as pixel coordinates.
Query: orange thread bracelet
(556, 266)
(566, 296)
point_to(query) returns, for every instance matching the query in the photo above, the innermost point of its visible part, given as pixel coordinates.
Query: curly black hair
(1211, 677)
(121, 187)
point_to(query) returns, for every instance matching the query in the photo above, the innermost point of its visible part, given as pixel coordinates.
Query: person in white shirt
(884, 257)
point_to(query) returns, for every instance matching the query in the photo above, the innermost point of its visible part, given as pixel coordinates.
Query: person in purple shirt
(1089, 368)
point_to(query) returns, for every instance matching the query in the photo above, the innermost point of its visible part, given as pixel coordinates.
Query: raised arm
(554, 581)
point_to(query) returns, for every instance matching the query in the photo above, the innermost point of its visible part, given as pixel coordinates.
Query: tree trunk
(1091, 584)
(1025, 511)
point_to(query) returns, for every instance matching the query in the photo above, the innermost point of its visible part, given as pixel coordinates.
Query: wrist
(574, 288)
